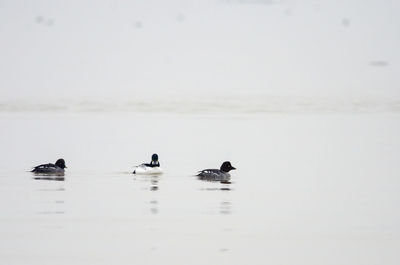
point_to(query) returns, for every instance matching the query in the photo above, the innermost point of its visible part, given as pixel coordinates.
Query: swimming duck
(221, 174)
(50, 169)
(151, 168)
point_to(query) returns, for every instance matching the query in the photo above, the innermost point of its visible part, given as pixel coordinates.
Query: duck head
(154, 159)
(60, 163)
(226, 166)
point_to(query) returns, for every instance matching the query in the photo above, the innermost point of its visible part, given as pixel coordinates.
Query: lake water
(310, 188)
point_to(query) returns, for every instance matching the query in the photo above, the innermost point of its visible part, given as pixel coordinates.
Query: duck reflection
(48, 177)
(56, 189)
(151, 183)
(225, 207)
(154, 207)
(54, 203)
(154, 186)
(214, 189)
(56, 176)
(50, 212)
(154, 183)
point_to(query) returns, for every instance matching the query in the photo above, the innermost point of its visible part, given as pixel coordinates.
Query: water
(310, 188)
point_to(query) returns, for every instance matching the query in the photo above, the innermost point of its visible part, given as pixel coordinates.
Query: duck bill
(233, 168)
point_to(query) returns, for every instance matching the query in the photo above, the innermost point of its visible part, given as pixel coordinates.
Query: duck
(152, 168)
(221, 174)
(50, 169)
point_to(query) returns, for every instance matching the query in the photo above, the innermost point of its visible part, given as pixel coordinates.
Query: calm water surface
(309, 189)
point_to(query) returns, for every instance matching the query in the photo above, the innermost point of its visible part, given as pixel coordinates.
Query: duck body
(221, 175)
(144, 169)
(50, 169)
(214, 175)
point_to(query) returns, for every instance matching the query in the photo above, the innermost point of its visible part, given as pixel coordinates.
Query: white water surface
(309, 189)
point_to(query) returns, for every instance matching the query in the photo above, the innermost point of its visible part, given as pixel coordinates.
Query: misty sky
(140, 49)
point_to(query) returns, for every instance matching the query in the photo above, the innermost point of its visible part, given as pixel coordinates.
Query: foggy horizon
(123, 50)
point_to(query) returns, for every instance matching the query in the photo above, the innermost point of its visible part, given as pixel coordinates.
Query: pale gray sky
(138, 49)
